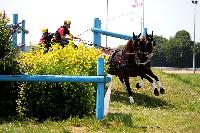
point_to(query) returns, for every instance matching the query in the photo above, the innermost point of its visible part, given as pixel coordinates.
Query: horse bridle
(151, 41)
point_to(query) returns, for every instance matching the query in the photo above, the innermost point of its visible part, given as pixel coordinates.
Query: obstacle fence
(16, 28)
(97, 31)
(100, 79)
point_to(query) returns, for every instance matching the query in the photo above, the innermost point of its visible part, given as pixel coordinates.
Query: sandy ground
(179, 70)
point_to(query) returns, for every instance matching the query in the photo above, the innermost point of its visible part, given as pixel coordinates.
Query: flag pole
(143, 14)
(107, 22)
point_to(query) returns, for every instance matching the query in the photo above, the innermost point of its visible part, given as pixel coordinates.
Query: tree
(178, 50)
(159, 58)
(9, 91)
(197, 50)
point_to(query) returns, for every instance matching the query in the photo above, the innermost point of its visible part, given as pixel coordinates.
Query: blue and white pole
(14, 39)
(96, 35)
(23, 36)
(100, 90)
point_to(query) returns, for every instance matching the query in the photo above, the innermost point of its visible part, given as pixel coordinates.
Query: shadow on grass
(141, 100)
(120, 118)
(10, 119)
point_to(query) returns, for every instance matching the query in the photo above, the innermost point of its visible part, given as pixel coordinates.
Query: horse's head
(145, 48)
(132, 43)
(130, 47)
(147, 43)
(150, 39)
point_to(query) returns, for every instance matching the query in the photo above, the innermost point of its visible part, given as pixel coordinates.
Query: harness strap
(144, 63)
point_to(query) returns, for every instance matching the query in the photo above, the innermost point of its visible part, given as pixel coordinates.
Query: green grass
(176, 111)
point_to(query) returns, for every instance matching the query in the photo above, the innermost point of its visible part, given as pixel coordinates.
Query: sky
(163, 17)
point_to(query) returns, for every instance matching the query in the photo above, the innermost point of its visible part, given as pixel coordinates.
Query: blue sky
(164, 17)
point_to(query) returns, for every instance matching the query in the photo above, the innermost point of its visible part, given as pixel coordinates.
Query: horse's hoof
(156, 92)
(131, 100)
(138, 86)
(162, 91)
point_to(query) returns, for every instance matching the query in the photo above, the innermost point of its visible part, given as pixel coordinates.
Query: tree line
(177, 51)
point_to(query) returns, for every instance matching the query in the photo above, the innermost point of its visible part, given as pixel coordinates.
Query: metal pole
(143, 14)
(195, 2)
(107, 23)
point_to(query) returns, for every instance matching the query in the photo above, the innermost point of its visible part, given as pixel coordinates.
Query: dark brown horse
(144, 54)
(134, 60)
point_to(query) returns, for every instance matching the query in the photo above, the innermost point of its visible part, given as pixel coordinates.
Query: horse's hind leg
(150, 73)
(140, 84)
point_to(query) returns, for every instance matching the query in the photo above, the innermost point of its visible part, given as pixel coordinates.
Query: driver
(63, 34)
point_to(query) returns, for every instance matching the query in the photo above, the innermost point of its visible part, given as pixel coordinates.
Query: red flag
(138, 4)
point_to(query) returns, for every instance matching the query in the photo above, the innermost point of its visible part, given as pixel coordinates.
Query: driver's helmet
(67, 21)
(44, 30)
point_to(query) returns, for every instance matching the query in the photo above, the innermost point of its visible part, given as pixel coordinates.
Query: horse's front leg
(123, 84)
(126, 86)
(126, 80)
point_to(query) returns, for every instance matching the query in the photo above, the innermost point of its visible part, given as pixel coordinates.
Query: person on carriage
(46, 39)
(63, 34)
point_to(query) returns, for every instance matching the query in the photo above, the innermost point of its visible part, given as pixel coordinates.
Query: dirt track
(179, 71)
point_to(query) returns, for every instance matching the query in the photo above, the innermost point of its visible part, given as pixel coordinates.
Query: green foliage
(175, 51)
(178, 50)
(159, 58)
(59, 100)
(197, 50)
(5, 43)
(9, 91)
(184, 37)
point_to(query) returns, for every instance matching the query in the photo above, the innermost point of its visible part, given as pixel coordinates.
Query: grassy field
(176, 111)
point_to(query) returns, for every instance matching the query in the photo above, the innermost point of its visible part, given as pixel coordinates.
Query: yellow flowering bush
(59, 100)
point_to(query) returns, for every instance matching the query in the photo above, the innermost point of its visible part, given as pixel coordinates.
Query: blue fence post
(100, 90)
(144, 32)
(14, 40)
(23, 36)
(97, 36)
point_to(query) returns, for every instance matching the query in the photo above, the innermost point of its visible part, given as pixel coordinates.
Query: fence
(16, 27)
(100, 79)
(97, 31)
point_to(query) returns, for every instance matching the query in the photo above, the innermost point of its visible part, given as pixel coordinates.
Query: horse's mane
(129, 47)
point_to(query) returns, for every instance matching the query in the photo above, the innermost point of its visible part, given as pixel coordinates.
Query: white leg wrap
(153, 86)
(159, 84)
(141, 83)
(124, 86)
(131, 99)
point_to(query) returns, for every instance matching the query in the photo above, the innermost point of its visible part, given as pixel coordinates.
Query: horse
(132, 61)
(145, 54)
